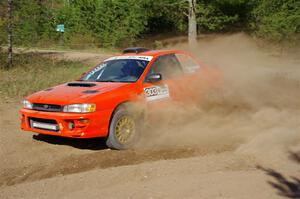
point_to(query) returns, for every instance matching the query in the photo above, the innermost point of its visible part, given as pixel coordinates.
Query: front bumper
(85, 125)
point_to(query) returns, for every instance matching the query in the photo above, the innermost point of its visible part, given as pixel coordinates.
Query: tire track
(101, 160)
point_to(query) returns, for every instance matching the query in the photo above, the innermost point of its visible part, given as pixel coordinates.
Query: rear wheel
(123, 130)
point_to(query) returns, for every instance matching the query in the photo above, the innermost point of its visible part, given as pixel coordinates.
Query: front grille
(44, 124)
(42, 120)
(47, 107)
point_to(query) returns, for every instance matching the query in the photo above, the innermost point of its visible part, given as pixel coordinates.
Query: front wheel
(123, 130)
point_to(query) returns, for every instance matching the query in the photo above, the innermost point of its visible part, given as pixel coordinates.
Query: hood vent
(90, 91)
(79, 84)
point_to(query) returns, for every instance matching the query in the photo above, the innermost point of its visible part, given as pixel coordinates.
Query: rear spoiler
(135, 50)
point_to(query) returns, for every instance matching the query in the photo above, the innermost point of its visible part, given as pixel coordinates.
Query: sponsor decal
(145, 58)
(156, 92)
(98, 68)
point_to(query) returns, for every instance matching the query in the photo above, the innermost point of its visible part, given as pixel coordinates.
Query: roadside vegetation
(111, 24)
(33, 72)
(119, 23)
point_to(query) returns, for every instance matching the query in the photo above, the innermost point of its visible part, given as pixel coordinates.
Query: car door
(198, 77)
(165, 90)
(191, 83)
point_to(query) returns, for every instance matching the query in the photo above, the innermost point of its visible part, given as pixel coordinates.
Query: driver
(131, 68)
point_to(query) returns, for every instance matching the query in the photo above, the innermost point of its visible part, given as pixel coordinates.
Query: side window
(167, 65)
(188, 64)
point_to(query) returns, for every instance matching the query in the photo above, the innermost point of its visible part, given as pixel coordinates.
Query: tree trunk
(192, 23)
(9, 34)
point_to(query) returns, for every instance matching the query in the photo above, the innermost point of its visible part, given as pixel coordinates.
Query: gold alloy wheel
(125, 129)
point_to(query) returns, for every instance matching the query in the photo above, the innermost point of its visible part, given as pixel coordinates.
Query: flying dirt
(214, 145)
(256, 110)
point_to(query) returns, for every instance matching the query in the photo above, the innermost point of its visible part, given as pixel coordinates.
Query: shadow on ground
(89, 144)
(286, 186)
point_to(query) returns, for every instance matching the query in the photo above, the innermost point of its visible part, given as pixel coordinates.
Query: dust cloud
(255, 113)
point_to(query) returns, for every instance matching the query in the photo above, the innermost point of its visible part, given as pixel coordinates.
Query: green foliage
(3, 22)
(119, 23)
(33, 21)
(211, 15)
(109, 22)
(71, 17)
(211, 18)
(166, 16)
(277, 19)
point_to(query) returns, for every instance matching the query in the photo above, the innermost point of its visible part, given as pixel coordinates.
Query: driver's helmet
(131, 68)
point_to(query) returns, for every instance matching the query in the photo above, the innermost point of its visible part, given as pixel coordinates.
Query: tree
(192, 33)
(276, 20)
(9, 34)
(116, 23)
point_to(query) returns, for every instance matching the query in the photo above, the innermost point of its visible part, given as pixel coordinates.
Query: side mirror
(154, 77)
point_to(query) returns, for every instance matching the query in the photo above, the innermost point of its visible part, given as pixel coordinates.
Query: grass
(33, 72)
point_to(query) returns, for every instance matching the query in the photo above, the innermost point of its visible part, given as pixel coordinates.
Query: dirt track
(213, 150)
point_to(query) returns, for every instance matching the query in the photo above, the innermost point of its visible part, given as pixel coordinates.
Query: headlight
(27, 104)
(80, 108)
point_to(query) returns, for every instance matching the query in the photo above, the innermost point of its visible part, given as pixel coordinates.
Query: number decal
(152, 91)
(156, 92)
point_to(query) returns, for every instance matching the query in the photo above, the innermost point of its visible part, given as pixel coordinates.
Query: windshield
(121, 70)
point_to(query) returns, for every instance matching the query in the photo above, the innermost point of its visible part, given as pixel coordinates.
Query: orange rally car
(113, 99)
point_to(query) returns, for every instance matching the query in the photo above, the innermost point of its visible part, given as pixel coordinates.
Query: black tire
(113, 140)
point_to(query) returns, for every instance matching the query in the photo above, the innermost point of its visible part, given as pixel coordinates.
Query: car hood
(73, 92)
